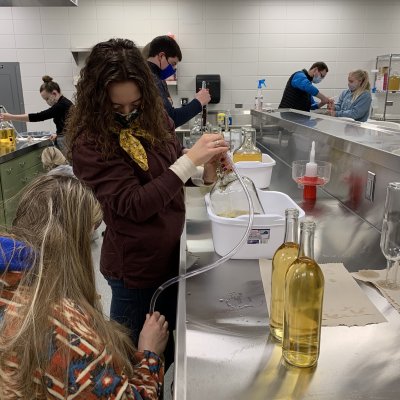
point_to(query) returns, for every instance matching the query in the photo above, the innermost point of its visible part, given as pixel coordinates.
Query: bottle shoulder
(307, 268)
(286, 249)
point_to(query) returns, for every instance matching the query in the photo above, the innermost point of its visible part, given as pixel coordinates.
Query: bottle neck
(291, 230)
(307, 230)
(248, 139)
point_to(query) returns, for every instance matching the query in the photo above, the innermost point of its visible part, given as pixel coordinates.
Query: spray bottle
(259, 98)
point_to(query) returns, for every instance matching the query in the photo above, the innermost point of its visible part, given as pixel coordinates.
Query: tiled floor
(104, 290)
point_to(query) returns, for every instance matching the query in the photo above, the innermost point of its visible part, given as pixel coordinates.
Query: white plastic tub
(267, 233)
(259, 172)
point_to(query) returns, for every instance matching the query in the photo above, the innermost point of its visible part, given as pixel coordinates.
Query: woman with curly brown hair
(123, 146)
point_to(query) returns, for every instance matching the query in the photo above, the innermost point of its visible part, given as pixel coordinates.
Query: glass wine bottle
(281, 261)
(304, 291)
(248, 151)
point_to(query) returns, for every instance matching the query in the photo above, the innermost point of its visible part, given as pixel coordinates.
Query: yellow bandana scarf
(131, 144)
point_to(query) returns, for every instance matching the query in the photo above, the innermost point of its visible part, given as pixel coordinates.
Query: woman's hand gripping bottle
(281, 261)
(304, 292)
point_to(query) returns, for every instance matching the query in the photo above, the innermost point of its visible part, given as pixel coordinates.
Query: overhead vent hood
(38, 3)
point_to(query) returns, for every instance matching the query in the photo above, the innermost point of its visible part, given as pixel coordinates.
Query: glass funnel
(228, 198)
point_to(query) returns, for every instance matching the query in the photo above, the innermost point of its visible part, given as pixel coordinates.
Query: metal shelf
(385, 67)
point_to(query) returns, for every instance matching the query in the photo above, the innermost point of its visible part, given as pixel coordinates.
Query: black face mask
(127, 119)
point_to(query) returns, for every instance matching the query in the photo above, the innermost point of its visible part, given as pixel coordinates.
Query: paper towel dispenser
(213, 85)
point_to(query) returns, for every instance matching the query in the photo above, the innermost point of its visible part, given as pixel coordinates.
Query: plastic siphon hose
(222, 259)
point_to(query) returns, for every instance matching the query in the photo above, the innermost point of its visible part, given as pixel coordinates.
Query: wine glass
(390, 236)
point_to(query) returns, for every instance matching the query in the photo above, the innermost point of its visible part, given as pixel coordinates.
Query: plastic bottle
(259, 98)
(228, 117)
(375, 103)
(304, 292)
(248, 151)
(281, 261)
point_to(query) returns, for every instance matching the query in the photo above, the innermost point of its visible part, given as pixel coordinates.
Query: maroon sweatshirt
(144, 211)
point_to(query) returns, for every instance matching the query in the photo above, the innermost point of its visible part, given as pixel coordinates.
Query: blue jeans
(130, 306)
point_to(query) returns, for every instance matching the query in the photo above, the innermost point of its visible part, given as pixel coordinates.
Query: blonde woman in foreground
(355, 102)
(54, 340)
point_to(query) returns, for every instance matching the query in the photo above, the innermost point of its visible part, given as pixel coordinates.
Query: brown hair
(49, 85)
(116, 60)
(320, 66)
(55, 217)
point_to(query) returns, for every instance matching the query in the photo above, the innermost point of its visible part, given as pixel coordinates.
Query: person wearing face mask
(164, 54)
(355, 102)
(123, 146)
(299, 92)
(58, 111)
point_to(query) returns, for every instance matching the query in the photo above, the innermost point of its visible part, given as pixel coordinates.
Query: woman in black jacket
(59, 108)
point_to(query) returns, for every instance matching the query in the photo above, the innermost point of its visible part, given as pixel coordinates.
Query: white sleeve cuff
(184, 168)
(197, 177)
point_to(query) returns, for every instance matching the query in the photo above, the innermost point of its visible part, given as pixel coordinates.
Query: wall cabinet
(386, 88)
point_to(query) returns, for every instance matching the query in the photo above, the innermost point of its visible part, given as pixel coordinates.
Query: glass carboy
(229, 200)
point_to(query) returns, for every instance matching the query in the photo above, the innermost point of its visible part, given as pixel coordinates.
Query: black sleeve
(182, 114)
(52, 112)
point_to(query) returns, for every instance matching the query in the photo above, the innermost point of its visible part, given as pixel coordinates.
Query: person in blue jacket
(355, 102)
(164, 54)
(299, 92)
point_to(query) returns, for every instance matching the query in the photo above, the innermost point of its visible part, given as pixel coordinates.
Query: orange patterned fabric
(90, 373)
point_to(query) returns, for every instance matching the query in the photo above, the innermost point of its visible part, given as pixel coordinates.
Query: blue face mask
(317, 79)
(167, 72)
(352, 87)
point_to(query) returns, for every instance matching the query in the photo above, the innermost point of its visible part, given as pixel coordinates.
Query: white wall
(241, 40)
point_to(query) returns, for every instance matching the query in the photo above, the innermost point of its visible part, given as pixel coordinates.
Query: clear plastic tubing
(215, 264)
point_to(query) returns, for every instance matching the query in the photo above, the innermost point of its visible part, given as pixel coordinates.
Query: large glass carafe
(7, 131)
(281, 261)
(304, 291)
(228, 198)
(248, 151)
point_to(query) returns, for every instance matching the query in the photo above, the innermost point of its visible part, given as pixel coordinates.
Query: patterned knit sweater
(92, 374)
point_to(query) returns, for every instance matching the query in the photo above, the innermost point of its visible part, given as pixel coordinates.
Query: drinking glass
(390, 236)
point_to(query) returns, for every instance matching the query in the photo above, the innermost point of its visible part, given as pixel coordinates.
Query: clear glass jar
(229, 200)
(7, 131)
(248, 151)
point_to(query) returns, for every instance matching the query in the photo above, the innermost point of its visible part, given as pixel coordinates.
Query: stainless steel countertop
(223, 350)
(370, 135)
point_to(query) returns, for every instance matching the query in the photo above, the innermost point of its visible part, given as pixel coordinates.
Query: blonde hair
(55, 217)
(52, 157)
(363, 77)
